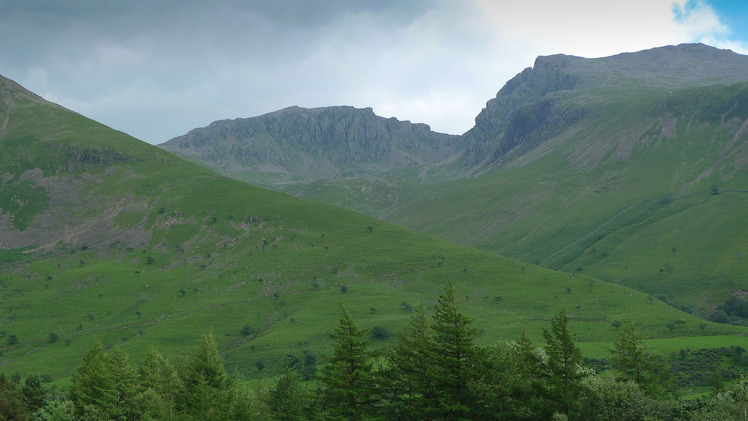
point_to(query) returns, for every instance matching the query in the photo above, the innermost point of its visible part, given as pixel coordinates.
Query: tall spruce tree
(158, 387)
(124, 378)
(564, 361)
(408, 377)
(629, 353)
(93, 389)
(454, 358)
(347, 381)
(206, 389)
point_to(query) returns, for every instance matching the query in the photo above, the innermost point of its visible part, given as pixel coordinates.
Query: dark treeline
(433, 371)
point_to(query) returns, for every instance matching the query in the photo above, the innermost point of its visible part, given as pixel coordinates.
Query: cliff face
(310, 144)
(531, 107)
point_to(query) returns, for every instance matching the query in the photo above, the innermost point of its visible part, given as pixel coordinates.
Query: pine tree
(630, 358)
(629, 353)
(347, 379)
(93, 383)
(124, 378)
(454, 358)
(408, 377)
(288, 400)
(205, 386)
(157, 387)
(564, 361)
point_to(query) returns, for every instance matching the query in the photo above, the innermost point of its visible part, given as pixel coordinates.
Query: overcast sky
(159, 68)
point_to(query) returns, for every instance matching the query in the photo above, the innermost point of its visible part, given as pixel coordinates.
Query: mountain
(297, 144)
(105, 236)
(630, 168)
(530, 108)
(610, 167)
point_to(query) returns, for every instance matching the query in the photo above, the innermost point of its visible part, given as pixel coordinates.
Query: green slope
(116, 239)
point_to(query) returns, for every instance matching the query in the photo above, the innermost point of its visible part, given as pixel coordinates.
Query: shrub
(380, 333)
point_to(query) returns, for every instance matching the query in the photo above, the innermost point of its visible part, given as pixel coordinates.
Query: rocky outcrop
(530, 108)
(309, 144)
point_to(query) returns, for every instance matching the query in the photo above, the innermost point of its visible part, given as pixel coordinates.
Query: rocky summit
(298, 144)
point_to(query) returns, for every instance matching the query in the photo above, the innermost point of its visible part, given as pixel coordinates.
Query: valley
(602, 189)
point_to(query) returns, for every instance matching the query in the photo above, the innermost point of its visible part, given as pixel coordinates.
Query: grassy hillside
(105, 236)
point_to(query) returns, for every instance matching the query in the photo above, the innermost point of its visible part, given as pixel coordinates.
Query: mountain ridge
(525, 112)
(307, 144)
(515, 118)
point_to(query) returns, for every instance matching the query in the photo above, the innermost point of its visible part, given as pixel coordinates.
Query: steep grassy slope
(105, 236)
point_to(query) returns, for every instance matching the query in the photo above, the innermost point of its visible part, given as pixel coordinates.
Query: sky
(156, 69)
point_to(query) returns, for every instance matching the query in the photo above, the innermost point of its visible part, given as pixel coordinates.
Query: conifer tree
(630, 358)
(629, 353)
(454, 358)
(410, 386)
(93, 385)
(104, 384)
(124, 379)
(531, 388)
(157, 373)
(564, 361)
(158, 387)
(205, 387)
(347, 379)
(288, 400)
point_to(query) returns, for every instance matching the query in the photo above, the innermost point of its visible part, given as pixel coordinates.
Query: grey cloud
(158, 68)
